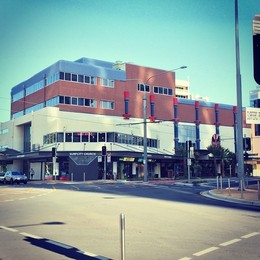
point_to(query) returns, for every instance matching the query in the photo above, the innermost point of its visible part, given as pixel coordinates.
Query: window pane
(60, 137)
(87, 103)
(61, 75)
(74, 101)
(68, 137)
(101, 137)
(67, 100)
(80, 101)
(76, 137)
(155, 90)
(67, 76)
(93, 137)
(85, 137)
(165, 91)
(87, 79)
(110, 137)
(80, 78)
(74, 77)
(61, 101)
(169, 91)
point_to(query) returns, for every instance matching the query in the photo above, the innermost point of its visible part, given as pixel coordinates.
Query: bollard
(84, 176)
(221, 184)
(72, 176)
(229, 193)
(217, 183)
(241, 189)
(122, 235)
(258, 187)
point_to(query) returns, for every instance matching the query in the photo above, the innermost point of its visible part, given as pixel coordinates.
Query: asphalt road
(162, 221)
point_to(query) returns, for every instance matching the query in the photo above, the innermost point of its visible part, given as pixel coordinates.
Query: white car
(15, 177)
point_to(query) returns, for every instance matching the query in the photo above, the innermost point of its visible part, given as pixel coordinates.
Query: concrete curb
(210, 194)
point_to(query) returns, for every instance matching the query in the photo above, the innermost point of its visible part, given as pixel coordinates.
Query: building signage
(81, 153)
(252, 115)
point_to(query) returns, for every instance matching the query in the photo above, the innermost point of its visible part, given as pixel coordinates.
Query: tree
(220, 153)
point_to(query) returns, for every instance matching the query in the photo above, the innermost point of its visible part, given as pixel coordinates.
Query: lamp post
(145, 161)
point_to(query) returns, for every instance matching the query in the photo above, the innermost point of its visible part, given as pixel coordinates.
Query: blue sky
(162, 34)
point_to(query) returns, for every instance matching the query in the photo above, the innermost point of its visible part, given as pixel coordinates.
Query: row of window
(76, 101)
(112, 137)
(156, 89)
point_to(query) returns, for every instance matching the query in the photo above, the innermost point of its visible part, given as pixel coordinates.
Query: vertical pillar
(126, 99)
(217, 118)
(152, 117)
(176, 121)
(197, 122)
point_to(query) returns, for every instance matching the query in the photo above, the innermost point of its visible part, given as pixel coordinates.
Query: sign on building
(252, 115)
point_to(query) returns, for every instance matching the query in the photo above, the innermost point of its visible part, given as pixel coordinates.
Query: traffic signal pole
(239, 125)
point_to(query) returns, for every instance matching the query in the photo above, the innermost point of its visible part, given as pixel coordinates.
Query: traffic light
(256, 47)
(246, 143)
(104, 150)
(53, 152)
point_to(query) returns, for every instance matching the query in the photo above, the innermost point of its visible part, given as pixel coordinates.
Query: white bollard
(229, 187)
(122, 235)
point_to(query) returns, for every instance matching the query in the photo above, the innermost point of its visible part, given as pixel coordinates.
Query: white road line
(22, 199)
(30, 235)
(206, 251)
(8, 200)
(59, 244)
(185, 258)
(230, 242)
(251, 235)
(9, 229)
(93, 255)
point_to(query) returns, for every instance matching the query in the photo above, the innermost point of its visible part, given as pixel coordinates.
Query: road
(162, 221)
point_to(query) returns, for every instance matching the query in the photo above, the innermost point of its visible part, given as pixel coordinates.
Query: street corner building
(90, 119)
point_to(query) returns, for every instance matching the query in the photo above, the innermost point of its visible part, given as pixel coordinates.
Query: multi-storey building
(81, 107)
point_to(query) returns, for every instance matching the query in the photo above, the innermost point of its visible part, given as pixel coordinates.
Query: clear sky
(162, 34)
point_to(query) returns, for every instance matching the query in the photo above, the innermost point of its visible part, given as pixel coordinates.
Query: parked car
(15, 177)
(2, 176)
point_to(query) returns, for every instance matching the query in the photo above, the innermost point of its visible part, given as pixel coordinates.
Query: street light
(145, 122)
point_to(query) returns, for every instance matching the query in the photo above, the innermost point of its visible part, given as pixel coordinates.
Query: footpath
(249, 196)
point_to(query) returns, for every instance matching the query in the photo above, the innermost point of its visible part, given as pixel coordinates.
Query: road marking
(9, 229)
(251, 235)
(59, 244)
(93, 255)
(206, 251)
(230, 242)
(185, 258)
(22, 198)
(30, 235)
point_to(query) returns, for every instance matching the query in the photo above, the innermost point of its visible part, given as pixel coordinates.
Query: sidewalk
(249, 196)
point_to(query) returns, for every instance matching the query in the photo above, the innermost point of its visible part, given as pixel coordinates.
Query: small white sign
(99, 158)
(252, 115)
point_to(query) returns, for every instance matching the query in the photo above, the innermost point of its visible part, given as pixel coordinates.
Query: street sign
(252, 115)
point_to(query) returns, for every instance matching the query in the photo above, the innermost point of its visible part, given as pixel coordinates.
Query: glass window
(107, 104)
(87, 102)
(67, 76)
(67, 100)
(62, 75)
(160, 90)
(60, 137)
(93, 80)
(170, 93)
(85, 137)
(62, 99)
(165, 91)
(76, 137)
(74, 77)
(68, 137)
(80, 101)
(155, 90)
(101, 137)
(74, 101)
(18, 96)
(87, 79)
(110, 137)
(93, 137)
(80, 78)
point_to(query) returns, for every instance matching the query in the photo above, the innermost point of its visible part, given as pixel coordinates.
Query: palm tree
(222, 154)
